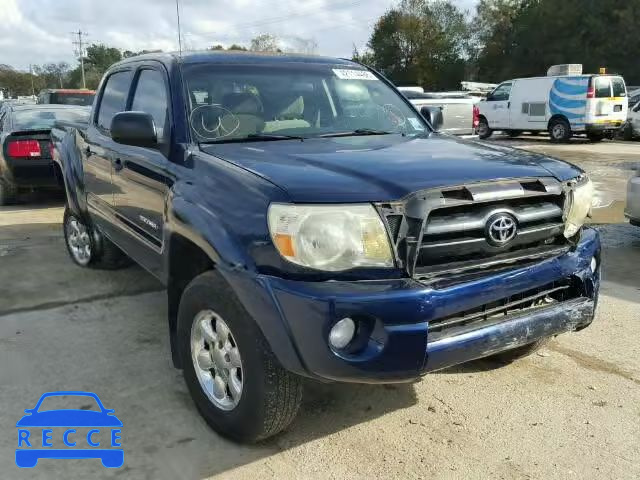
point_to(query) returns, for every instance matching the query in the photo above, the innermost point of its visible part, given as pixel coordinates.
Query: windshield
(242, 102)
(79, 99)
(44, 119)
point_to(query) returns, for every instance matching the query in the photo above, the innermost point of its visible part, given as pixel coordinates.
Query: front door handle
(88, 151)
(118, 165)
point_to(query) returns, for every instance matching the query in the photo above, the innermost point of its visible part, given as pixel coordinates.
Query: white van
(560, 104)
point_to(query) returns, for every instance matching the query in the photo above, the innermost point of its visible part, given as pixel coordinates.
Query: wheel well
(556, 117)
(482, 117)
(186, 261)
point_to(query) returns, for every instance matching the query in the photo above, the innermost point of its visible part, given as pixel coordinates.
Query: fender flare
(201, 227)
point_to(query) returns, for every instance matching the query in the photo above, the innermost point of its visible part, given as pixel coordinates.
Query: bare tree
(265, 43)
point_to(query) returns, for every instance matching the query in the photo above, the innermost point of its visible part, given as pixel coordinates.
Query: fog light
(342, 333)
(594, 265)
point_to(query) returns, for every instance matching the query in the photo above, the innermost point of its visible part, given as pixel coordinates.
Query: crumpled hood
(382, 168)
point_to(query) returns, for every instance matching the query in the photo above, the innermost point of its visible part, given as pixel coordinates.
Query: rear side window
(151, 97)
(602, 87)
(619, 89)
(114, 98)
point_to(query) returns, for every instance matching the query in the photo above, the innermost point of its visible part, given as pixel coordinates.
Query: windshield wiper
(356, 133)
(266, 137)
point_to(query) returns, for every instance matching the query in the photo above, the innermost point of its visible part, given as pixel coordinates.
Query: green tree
(421, 42)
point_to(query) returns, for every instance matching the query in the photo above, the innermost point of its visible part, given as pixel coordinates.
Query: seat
(244, 115)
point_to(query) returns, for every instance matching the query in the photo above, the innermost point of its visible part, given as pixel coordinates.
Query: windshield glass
(237, 102)
(80, 99)
(44, 119)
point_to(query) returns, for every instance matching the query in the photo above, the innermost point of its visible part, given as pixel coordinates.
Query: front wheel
(560, 130)
(235, 381)
(627, 133)
(483, 129)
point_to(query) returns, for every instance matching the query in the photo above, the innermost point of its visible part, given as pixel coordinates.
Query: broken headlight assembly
(330, 237)
(578, 204)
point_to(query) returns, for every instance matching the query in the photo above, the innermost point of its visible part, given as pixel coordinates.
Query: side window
(603, 87)
(501, 93)
(114, 98)
(151, 97)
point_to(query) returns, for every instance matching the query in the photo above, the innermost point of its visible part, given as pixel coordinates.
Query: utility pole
(179, 33)
(33, 90)
(80, 52)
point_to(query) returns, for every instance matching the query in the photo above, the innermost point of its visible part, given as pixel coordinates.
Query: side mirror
(134, 128)
(434, 116)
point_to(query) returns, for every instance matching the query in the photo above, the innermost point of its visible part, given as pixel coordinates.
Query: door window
(114, 98)
(151, 97)
(619, 89)
(501, 93)
(603, 87)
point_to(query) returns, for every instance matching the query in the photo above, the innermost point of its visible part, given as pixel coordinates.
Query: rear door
(608, 103)
(140, 174)
(99, 152)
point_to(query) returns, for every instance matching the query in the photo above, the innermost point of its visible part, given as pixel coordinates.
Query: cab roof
(236, 57)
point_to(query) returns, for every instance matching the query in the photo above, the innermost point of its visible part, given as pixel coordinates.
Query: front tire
(235, 381)
(627, 134)
(483, 129)
(88, 248)
(560, 130)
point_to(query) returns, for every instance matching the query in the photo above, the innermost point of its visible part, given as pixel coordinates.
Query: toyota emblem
(501, 229)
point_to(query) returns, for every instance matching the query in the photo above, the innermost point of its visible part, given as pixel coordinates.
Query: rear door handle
(118, 165)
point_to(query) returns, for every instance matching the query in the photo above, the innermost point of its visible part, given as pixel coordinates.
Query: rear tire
(8, 193)
(510, 356)
(595, 137)
(627, 134)
(89, 248)
(513, 133)
(560, 130)
(483, 129)
(247, 403)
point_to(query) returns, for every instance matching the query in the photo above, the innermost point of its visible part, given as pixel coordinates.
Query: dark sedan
(25, 154)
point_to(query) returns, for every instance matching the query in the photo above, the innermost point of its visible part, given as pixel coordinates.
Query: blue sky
(38, 31)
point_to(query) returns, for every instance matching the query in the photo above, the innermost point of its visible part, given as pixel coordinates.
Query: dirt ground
(569, 411)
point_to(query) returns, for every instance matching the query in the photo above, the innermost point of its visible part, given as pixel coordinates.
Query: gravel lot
(570, 411)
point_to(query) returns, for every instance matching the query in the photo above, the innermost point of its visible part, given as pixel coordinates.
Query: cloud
(39, 31)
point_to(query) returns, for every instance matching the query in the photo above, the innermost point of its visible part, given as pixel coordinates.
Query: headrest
(242, 103)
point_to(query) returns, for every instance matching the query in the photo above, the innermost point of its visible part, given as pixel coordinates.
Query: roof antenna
(179, 32)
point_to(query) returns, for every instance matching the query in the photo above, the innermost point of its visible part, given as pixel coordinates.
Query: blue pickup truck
(308, 221)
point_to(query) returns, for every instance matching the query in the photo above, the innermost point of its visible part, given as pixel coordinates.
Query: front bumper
(298, 316)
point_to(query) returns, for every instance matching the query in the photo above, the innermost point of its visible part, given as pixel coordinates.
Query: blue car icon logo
(83, 433)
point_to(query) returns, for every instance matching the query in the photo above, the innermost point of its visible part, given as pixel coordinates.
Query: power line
(80, 52)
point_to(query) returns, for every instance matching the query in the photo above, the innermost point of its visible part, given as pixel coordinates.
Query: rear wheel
(8, 193)
(514, 354)
(560, 130)
(483, 129)
(88, 248)
(595, 137)
(234, 378)
(627, 134)
(513, 133)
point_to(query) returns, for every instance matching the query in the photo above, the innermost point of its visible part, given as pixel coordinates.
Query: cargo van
(563, 105)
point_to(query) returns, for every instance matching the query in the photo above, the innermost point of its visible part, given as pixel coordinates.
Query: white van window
(602, 87)
(619, 89)
(501, 93)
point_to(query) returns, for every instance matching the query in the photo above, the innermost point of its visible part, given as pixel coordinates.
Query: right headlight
(580, 201)
(330, 237)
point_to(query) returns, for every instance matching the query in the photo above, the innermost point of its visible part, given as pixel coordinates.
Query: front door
(498, 106)
(140, 175)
